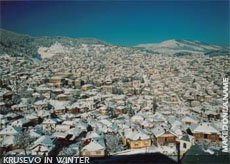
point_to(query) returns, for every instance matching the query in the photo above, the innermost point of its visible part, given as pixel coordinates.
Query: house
(42, 146)
(92, 135)
(3, 121)
(147, 123)
(75, 132)
(106, 126)
(59, 135)
(87, 87)
(20, 122)
(44, 114)
(120, 110)
(103, 110)
(136, 139)
(57, 81)
(7, 95)
(62, 128)
(57, 91)
(159, 118)
(163, 136)
(34, 134)
(41, 105)
(137, 119)
(77, 83)
(19, 107)
(206, 130)
(212, 115)
(178, 128)
(44, 91)
(59, 107)
(10, 130)
(95, 148)
(2, 106)
(33, 118)
(49, 124)
(74, 108)
(186, 142)
(12, 116)
(9, 142)
(63, 97)
(188, 120)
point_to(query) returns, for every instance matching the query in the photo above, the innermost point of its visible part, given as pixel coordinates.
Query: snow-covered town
(97, 100)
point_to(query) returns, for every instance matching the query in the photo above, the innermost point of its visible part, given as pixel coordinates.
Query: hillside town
(99, 100)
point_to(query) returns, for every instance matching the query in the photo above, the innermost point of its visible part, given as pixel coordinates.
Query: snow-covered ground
(180, 46)
(48, 52)
(151, 149)
(167, 150)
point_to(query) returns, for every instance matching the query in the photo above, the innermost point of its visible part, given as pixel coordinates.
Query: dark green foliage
(18, 45)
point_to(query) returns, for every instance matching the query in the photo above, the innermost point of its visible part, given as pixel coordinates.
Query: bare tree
(23, 140)
(67, 151)
(113, 143)
(154, 105)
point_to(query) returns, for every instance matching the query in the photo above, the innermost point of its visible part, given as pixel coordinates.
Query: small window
(136, 144)
(98, 152)
(146, 142)
(184, 145)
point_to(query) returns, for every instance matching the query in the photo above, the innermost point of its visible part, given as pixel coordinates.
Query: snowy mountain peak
(175, 46)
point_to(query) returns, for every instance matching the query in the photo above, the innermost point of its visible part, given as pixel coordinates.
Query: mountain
(180, 47)
(20, 45)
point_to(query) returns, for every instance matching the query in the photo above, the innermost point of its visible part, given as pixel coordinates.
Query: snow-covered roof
(158, 117)
(189, 119)
(93, 146)
(71, 123)
(8, 140)
(49, 121)
(92, 134)
(40, 102)
(176, 123)
(31, 116)
(137, 118)
(59, 104)
(74, 131)
(59, 135)
(43, 113)
(106, 122)
(136, 134)
(34, 134)
(19, 122)
(9, 130)
(206, 128)
(158, 131)
(43, 140)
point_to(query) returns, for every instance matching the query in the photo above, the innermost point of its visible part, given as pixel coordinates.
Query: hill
(185, 47)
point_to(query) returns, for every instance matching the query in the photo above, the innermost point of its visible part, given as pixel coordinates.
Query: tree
(130, 110)
(23, 140)
(113, 143)
(67, 151)
(154, 105)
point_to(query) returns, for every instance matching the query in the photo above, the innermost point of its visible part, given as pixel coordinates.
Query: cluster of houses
(74, 101)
